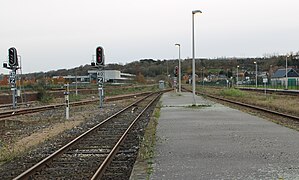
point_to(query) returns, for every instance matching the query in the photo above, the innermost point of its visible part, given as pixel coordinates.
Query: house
(279, 77)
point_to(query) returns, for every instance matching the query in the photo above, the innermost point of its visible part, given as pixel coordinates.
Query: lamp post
(179, 66)
(237, 75)
(255, 73)
(286, 82)
(193, 56)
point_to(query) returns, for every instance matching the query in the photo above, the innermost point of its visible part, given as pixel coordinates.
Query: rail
(91, 143)
(15, 112)
(248, 106)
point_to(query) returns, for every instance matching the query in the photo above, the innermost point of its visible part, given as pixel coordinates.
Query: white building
(72, 79)
(113, 76)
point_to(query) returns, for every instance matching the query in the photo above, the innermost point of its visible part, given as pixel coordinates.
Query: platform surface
(212, 141)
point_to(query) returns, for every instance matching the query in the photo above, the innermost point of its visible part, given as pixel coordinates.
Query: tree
(140, 78)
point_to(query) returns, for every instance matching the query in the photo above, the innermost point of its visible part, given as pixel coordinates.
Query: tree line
(151, 68)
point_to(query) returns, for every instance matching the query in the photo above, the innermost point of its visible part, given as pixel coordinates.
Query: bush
(42, 94)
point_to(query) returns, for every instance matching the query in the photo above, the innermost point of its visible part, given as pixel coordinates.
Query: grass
(118, 91)
(283, 103)
(147, 148)
(45, 97)
(7, 153)
(232, 93)
(74, 97)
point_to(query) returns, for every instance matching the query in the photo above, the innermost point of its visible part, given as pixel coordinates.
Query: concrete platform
(217, 142)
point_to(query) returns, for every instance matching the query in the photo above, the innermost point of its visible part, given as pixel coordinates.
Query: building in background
(279, 77)
(112, 76)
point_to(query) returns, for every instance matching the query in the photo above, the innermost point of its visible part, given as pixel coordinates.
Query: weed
(74, 97)
(6, 153)
(157, 113)
(42, 93)
(147, 149)
(232, 93)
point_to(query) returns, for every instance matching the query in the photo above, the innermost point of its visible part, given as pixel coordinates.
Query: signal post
(67, 101)
(13, 65)
(175, 72)
(99, 63)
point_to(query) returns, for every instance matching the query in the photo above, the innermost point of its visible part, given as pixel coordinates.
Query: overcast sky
(58, 34)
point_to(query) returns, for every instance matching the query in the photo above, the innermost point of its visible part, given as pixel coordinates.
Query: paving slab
(213, 141)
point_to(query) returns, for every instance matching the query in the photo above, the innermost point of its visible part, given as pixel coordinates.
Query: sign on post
(12, 81)
(100, 77)
(100, 80)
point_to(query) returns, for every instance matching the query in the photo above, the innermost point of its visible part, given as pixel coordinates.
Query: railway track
(274, 91)
(6, 100)
(15, 112)
(105, 151)
(3, 106)
(296, 118)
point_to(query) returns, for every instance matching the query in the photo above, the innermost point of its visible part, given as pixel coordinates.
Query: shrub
(42, 93)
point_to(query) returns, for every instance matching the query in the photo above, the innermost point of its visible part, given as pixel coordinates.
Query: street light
(179, 66)
(255, 73)
(237, 74)
(193, 56)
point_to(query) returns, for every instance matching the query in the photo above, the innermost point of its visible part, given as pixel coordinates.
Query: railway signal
(13, 65)
(100, 64)
(100, 56)
(12, 57)
(176, 71)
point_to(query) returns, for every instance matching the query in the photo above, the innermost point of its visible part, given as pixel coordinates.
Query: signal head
(12, 57)
(100, 56)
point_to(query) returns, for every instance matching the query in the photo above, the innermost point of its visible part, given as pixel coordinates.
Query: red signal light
(100, 56)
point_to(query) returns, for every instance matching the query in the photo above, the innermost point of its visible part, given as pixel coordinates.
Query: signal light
(12, 57)
(176, 71)
(100, 56)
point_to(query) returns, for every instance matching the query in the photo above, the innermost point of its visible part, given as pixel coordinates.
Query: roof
(280, 73)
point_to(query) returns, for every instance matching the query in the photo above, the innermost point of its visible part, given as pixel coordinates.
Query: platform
(212, 141)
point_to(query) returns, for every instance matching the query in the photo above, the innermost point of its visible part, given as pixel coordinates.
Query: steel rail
(56, 92)
(249, 106)
(255, 107)
(101, 170)
(17, 112)
(42, 163)
(274, 91)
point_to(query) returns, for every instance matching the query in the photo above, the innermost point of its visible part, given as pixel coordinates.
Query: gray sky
(58, 34)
